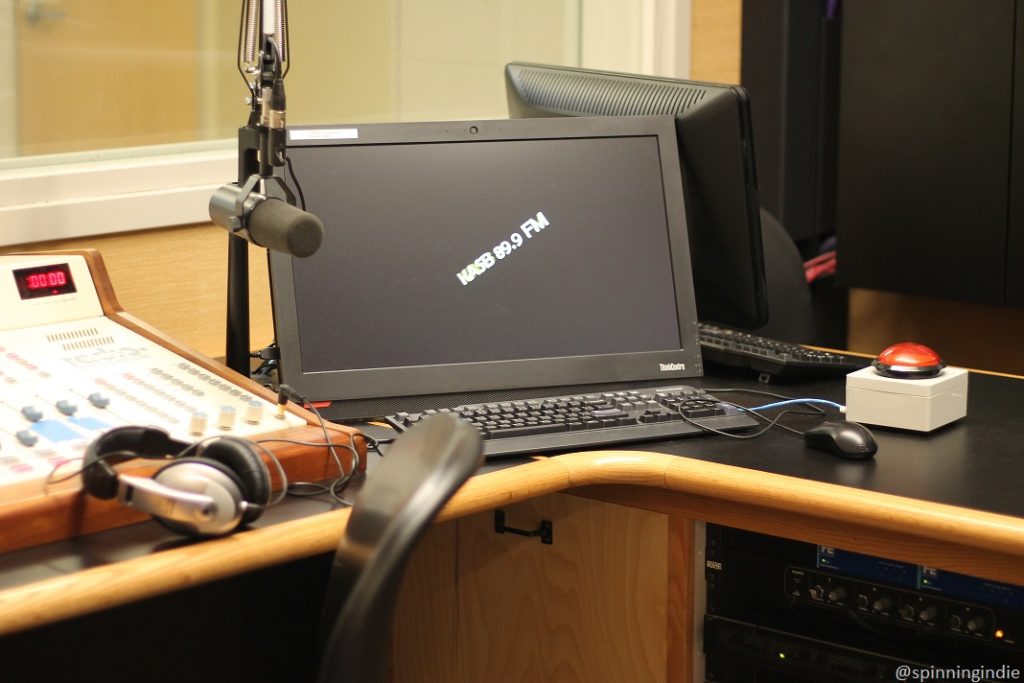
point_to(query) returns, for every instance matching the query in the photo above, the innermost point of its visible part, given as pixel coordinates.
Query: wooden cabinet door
(592, 606)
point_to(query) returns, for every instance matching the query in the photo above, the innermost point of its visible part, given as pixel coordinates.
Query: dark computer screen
(486, 256)
(717, 151)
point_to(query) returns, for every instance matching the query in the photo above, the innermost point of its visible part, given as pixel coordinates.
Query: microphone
(266, 221)
(277, 225)
(261, 209)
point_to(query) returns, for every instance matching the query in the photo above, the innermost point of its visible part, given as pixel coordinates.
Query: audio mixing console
(68, 373)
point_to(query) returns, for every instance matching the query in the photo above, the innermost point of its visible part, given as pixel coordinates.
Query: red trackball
(909, 360)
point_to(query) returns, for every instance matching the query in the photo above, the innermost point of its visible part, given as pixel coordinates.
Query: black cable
(373, 444)
(344, 477)
(278, 58)
(308, 489)
(814, 410)
(769, 423)
(295, 181)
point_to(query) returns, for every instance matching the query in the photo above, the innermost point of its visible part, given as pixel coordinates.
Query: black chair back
(419, 473)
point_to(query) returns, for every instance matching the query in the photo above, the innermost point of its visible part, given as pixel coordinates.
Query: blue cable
(795, 401)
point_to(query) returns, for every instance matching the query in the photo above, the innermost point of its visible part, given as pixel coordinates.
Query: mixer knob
(99, 400)
(32, 414)
(254, 412)
(197, 424)
(226, 419)
(928, 614)
(66, 407)
(976, 624)
(26, 438)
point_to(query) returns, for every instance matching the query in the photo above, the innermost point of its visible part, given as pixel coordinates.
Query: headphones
(223, 487)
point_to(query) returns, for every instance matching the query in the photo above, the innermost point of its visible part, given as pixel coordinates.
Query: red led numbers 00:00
(53, 278)
(44, 281)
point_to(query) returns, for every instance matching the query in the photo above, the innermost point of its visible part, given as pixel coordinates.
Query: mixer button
(66, 407)
(98, 400)
(32, 414)
(26, 438)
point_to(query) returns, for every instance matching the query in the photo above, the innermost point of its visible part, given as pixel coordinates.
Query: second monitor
(717, 153)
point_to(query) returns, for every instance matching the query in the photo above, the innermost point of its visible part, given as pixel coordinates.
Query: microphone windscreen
(278, 225)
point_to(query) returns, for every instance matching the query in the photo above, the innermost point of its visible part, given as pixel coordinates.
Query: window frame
(68, 197)
(111, 191)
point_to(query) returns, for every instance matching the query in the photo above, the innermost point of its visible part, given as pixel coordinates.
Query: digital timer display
(40, 281)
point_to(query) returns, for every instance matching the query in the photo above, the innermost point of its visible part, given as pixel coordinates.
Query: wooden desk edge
(917, 531)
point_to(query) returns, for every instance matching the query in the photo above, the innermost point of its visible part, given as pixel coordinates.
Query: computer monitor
(482, 261)
(717, 151)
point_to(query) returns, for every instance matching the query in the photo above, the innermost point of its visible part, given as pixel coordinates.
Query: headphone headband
(118, 445)
(222, 486)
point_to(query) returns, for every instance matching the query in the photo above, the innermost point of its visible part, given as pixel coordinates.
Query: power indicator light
(999, 634)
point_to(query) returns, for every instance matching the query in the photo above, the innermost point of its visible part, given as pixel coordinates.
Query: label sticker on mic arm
(324, 134)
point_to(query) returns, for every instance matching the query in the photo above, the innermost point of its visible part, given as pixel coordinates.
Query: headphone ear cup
(245, 463)
(210, 478)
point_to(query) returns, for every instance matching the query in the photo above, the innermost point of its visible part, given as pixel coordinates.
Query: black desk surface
(977, 462)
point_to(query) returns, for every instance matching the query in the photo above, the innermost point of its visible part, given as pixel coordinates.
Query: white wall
(451, 55)
(637, 36)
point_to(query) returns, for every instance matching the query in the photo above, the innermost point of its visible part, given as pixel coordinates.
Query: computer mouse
(842, 438)
(908, 360)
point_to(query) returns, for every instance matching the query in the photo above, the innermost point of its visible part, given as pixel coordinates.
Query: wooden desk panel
(943, 536)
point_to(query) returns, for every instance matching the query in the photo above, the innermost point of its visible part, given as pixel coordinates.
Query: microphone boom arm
(261, 156)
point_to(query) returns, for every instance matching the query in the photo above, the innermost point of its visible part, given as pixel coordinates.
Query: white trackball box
(916, 404)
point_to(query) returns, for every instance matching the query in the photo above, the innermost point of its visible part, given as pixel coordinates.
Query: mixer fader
(68, 373)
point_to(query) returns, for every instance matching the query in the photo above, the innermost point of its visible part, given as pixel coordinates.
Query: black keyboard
(770, 357)
(557, 423)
